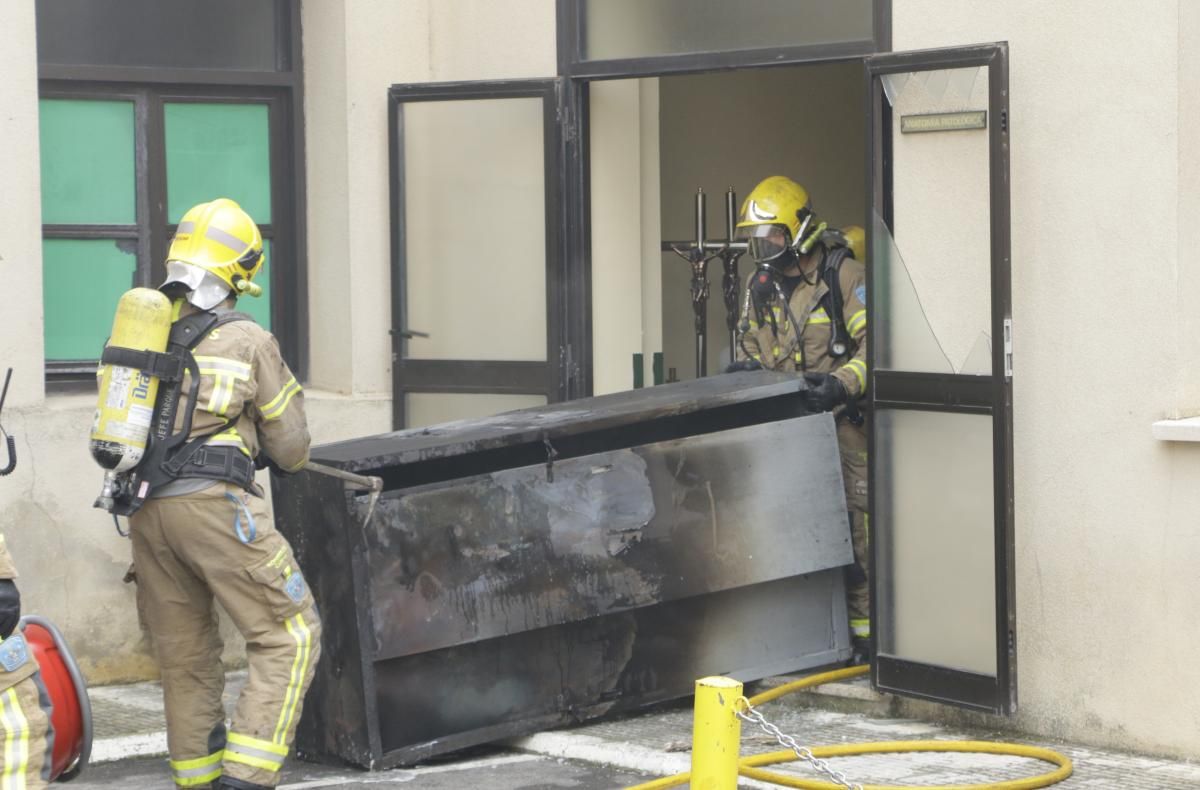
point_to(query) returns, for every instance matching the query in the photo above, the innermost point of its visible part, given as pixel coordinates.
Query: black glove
(264, 461)
(744, 364)
(10, 607)
(824, 392)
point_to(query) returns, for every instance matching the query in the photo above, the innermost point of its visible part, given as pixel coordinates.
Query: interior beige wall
(1104, 176)
(735, 129)
(623, 155)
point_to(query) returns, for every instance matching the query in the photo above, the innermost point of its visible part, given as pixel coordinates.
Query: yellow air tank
(126, 406)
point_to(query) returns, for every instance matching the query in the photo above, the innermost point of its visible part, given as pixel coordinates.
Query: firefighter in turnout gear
(25, 727)
(806, 312)
(205, 532)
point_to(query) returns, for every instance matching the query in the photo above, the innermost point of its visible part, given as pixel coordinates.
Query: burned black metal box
(554, 564)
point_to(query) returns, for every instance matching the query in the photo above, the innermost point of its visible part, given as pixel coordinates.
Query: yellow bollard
(716, 734)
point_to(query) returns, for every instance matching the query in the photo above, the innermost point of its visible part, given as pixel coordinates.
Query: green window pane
(218, 150)
(260, 307)
(83, 279)
(87, 162)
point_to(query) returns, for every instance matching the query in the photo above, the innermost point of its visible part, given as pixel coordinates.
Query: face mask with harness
(767, 285)
(779, 226)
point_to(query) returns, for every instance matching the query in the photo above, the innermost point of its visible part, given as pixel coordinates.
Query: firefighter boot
(860, 651)
(229, 783)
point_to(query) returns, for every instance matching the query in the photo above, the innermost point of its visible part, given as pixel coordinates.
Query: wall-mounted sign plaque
(943, 121)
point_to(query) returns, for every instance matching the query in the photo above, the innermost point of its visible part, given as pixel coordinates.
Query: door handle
(407, 333)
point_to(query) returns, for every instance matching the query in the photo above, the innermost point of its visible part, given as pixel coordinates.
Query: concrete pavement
(633, 749)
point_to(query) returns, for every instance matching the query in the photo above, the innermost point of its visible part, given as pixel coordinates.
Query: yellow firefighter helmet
(776, 217)
(217, 250)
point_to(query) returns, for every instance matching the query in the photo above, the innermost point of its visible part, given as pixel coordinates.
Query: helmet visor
(766, 242)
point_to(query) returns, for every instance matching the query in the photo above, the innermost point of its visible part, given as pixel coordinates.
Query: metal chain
(752, 715)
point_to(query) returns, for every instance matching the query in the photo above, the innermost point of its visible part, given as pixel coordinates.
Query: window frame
(150, 88)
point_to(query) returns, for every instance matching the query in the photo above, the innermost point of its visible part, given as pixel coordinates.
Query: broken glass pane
(933, 264)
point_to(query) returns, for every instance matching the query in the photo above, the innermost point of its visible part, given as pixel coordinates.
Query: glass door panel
(937, 308)
(938, 491)
(476, 249)
(475, 225)
(941, 393)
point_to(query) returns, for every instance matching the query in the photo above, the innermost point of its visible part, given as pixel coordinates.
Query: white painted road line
(108, 750)
(630, 756)
(400, 775)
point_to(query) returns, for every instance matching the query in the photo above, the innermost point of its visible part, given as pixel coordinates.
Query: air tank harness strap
(244, 535)
(164, 366)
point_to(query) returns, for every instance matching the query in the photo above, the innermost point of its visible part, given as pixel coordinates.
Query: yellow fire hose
(748, 766)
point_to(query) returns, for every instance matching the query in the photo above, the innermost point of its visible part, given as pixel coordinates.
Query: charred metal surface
(554, 676)
(555, 564)
(514, 550)
(314, 512)
(573, 428)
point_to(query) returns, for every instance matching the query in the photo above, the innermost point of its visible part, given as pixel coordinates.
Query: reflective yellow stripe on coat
(275, 408)
(859, 368)
(16, 741)
(225, 373)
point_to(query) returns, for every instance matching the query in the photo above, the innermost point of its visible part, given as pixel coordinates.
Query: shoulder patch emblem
(861, 293)
(13, 653)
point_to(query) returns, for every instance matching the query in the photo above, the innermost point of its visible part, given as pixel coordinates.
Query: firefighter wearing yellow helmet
(204, 531)
(806, 311)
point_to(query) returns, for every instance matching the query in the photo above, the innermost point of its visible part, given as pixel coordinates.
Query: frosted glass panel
(644, 28)
(936, 526)
(431, 408)
(84, 278)
(475, 229)
(933, 273)
(87, 161)
(218, 150)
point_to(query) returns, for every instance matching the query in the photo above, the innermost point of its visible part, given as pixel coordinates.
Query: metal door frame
(552, 377)
(953, 393)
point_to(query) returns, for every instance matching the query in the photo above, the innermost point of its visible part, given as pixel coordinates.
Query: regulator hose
(749, 766)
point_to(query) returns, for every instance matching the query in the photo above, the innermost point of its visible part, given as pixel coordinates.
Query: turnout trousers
(26, 734)
(220, 543)
(852, 442)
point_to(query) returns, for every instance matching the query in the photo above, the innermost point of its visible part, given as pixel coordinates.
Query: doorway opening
(654, 142)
